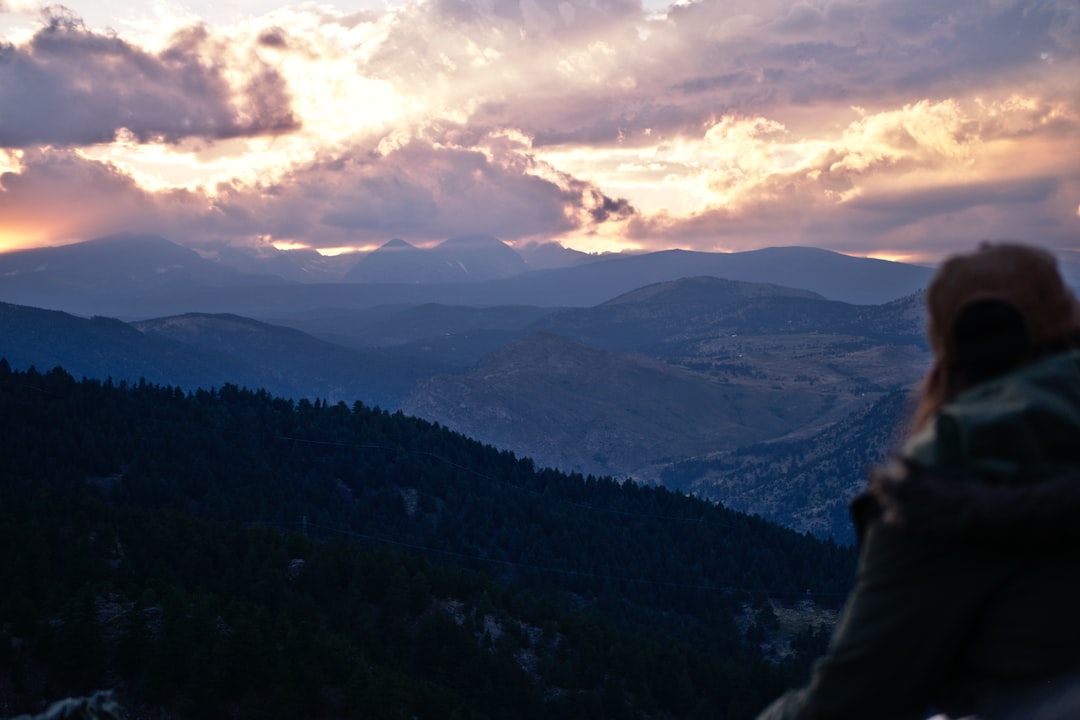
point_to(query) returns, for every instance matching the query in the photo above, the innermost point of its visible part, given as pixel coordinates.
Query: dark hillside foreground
(226, 553)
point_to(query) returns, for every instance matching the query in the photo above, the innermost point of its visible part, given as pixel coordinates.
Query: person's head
(991, 311)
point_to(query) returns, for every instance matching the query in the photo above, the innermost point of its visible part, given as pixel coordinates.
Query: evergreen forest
(225, 553)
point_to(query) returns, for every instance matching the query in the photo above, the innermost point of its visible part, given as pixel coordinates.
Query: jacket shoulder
(922, 501)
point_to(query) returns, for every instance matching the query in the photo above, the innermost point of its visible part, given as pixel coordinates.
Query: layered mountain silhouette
(468, 258)
(203, 351)
(145, 276)
(571, 372)
(669, 373)
(117, 266)
(752, 358)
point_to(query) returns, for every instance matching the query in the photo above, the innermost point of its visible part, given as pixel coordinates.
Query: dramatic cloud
(901, 128)
(71, 86)
(357, 199)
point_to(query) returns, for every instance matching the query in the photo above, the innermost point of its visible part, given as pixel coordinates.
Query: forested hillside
(225, 553)
(805, 483)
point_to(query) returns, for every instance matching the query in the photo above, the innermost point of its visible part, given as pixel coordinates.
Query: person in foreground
(967, 598)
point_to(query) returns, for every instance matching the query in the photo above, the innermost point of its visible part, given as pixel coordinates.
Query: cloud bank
(896, 128)
(69, 86)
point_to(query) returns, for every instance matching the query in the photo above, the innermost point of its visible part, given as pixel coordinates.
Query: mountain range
(670, 373)
(675, 373)
(140, 277)
(468, 258)
(643, 384)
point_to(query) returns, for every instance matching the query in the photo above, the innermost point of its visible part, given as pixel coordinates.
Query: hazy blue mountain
(103, 348)
(547, 256)
(117, 271)
(756, 351)
(399, 326)
(468, 258)
(834, 276)
(396, 262)
(294, 363)
(207, 351)
(481, 257)
(804, 482)
(831, 274)
(579, 408)
(300, 265)
(758, 334)
(680, 370)
(653, 316)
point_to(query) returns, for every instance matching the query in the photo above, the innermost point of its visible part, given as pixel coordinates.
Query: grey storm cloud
(423, 191)
(705, 60)
(72, 86)
(417, 191)
(888, 48)
(936, 201)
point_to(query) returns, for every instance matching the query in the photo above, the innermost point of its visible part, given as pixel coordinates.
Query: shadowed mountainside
(751, 358)
(295, 364)
(574, 407)
(206, 351)
(410, 328)
(806, 482)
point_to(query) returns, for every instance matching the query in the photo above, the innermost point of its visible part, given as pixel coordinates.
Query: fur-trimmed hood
(915, 499)
(1000, 463)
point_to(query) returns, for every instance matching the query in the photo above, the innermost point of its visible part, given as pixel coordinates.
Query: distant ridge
(203, 351)
(467, 258)
(861, 281)
(83, 275)
(198, 285)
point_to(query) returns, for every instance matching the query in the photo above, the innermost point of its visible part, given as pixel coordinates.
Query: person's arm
(914, 602)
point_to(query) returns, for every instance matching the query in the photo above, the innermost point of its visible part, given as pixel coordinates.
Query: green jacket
(967, 598)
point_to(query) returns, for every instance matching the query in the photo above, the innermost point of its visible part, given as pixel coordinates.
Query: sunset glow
(881, 129)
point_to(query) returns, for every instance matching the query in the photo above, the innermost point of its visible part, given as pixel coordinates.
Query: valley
(699, 383)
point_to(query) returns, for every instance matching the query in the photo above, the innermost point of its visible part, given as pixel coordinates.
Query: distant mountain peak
(464, 258)
(397, 244)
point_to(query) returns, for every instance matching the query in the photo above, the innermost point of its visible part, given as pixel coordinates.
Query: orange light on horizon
(911, 259)
(290, 245)
(12, 240)
(344, 249)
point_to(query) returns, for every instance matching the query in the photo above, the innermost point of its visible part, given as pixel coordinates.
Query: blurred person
(967, 594)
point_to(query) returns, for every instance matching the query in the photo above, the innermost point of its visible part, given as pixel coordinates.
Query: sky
(901, 129)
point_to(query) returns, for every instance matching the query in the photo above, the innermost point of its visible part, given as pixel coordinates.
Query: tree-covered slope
(803, 482)
(152, 541)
